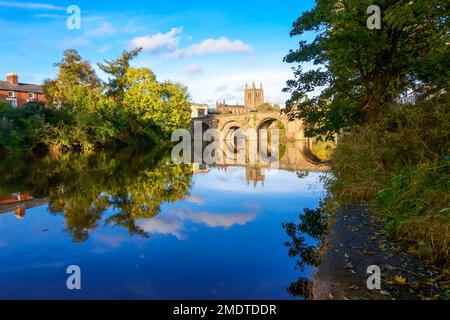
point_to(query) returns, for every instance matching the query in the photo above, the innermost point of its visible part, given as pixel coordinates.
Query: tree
(161, 106)
(76, 79)
(363, 71)
(118, 69)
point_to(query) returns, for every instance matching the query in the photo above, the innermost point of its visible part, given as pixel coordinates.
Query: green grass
(400, 164)
(323, 149)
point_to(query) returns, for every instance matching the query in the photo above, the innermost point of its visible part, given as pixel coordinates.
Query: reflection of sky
(224, 241)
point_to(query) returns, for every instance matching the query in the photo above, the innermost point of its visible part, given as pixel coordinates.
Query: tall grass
(400, 164)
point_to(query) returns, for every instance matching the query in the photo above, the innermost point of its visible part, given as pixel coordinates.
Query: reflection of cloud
(112, 241)
(220, 220)
(172, 223)
(164, 226)
(196, 200)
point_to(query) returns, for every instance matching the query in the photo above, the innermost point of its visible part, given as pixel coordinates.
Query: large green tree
(76, 81)
(357, 73)
(117, 70)
(161, 107)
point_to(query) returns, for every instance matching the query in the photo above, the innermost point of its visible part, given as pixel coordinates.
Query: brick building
(18, 94)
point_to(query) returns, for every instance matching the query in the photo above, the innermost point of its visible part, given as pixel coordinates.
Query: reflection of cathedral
(254, 174)
(200, 168)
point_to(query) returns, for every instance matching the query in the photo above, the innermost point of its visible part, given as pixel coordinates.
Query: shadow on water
(305, 239)
(81, 187)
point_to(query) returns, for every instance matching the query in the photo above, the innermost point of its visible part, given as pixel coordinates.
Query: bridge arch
(266, 122)
(229, 129)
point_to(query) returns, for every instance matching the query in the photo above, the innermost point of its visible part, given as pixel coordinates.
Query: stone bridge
(297, 153)
(254, 120)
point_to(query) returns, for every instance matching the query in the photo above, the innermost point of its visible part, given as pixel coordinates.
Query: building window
(201, 112)
(12, 102)
(11, 94)
(31, 96)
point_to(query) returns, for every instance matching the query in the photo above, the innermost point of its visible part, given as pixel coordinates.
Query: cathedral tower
(254, 98)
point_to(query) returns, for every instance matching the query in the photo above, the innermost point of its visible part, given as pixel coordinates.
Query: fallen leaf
(400, 280)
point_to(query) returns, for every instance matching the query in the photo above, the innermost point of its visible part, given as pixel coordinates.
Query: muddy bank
(355, 242)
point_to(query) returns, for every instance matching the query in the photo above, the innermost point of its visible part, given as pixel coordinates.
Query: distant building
(253, 99)
(199, 110)
(17, 94)
(224, 108)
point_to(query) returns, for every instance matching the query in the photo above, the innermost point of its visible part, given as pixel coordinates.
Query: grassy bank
(399, 163)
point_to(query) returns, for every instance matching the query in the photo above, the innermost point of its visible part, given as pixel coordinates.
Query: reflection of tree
(313, 225)
(82, 187)
(302, 174)
(164, 183)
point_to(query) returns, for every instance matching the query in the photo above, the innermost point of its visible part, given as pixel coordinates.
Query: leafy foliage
(361, 72)
(84, 114)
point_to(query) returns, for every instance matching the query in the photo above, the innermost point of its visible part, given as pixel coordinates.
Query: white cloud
(104, 48)
(158, 42)
(227, 82)
(50, 15)
(29, 5)
(76, 42)
(221, 88)
(193, 69)
(213, 46)
(104, 29)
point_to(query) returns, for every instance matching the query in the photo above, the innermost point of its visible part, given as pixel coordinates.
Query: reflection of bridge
(295, 156)
(293, 130)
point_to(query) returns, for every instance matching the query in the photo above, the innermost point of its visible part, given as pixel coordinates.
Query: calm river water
(140, 227)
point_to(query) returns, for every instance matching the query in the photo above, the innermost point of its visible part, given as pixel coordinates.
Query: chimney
(12, 78)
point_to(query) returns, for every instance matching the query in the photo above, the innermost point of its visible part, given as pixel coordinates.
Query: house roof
(21, 87)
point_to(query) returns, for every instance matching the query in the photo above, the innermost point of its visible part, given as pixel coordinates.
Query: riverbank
(355, 242)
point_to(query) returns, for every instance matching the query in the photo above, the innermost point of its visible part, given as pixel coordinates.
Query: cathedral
(253, 99)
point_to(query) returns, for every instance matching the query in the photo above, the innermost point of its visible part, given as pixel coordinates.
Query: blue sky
(212, 47)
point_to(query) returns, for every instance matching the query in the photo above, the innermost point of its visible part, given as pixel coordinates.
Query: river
(140, 227)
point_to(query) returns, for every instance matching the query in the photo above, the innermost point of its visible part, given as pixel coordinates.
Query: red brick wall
(21, 97)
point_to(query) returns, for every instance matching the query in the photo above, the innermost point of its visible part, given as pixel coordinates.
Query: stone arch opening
(264, 135)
